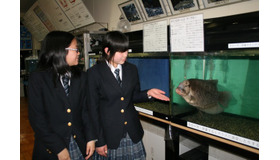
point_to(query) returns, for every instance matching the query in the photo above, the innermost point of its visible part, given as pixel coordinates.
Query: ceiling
(25, 5)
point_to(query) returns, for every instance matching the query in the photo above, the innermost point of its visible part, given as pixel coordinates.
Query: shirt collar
(112, 67)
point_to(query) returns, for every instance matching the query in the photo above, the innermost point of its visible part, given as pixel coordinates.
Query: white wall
(153, 141)
(218, 154)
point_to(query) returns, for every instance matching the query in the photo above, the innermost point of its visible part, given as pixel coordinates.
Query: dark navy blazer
(112, 107)
(54, 117)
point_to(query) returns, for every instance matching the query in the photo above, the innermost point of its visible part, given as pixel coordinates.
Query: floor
(26, 132)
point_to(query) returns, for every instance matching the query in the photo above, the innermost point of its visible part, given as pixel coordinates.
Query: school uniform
(57, 118)
(111, 105)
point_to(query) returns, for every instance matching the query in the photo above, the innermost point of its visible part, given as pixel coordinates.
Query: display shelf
(216, 138)
(240, 126)
(160, 112)
(155, 108)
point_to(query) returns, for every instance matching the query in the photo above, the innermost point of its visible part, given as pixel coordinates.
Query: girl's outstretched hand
(158, 94)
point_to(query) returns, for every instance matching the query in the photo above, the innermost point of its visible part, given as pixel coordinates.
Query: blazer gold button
(125, 123)
(50, 152)
(69, 124)
(122, 98)
(122, 110)
(74, 136)
(68, 110)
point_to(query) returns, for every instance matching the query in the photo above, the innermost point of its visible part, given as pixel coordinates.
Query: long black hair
(116, 42)
(53, 53)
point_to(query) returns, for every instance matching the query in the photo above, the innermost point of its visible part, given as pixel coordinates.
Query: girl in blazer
(111, 98)
(57, 110)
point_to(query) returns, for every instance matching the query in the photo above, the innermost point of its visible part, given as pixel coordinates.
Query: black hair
(53, 53)
(116, 41)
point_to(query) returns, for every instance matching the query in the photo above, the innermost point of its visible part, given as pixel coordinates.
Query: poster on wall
(55, 14)
(44, 19)
(155, 37)
(76, 11)
(187, 34)
(34, 24)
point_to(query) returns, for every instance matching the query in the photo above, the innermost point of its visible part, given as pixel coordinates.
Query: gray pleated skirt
(74, 150)
(127, 150)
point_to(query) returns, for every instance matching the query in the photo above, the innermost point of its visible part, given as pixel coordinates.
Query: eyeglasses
(72, 49)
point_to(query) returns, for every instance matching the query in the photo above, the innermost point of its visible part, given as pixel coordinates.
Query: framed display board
(34, 24)
(153, 9)
(56, 16)
(182, 6)
(155, 36)
(77, 12)
(213, 3)
(131, 12)
(187, 34)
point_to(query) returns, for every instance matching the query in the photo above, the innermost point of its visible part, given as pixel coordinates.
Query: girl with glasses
(58, 112)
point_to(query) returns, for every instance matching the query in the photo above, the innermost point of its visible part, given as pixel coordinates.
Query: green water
(238, 75)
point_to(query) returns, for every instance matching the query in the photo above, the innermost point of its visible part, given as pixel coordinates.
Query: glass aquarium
(217, 93)
(153, 73)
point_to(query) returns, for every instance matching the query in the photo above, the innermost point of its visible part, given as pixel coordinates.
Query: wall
(218, 154)
(153, 141)
(108, 11)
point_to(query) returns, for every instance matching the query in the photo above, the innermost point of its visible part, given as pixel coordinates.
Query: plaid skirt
(127, 150)
(74, 150)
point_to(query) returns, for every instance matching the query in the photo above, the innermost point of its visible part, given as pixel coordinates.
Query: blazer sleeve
(93, 104)
(87, 121)
(38, 118)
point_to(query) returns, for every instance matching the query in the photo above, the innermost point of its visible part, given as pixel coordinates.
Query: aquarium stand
(172, 147)
(171, 143)
(198, 153)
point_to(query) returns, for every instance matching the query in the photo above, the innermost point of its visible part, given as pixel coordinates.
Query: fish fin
(213, 110)
(224, 98)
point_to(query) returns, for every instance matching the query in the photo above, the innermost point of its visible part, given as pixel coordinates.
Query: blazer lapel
(107, 73)
(125, 76)
(61, 92)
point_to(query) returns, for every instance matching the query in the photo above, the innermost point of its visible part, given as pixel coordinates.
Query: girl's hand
(90, 149)
(158, 94)
(63, 155)
(102, 150)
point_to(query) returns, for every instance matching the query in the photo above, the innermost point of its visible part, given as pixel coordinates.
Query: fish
(204, 95)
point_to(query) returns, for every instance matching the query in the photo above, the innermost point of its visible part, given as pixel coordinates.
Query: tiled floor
(26, 132)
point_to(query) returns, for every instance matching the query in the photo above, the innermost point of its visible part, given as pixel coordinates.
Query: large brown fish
(204, 95)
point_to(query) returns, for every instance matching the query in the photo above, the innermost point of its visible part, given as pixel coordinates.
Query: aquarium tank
(234, 72)
(217, 91)
(153, 73)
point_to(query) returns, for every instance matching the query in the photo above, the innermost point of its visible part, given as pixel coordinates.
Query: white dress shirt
(113, 69)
